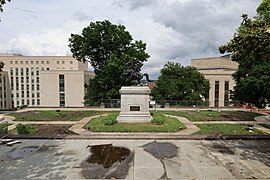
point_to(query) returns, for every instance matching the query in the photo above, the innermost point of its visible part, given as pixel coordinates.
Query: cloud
(81, 16)
(134, 4)
(40, 43)
(174, 30)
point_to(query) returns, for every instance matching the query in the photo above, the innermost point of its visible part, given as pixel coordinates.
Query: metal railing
(116, 103)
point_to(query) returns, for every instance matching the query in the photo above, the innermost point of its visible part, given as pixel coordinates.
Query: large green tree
(177, 82)
(111, 51)
(2, 2)
(250, 48)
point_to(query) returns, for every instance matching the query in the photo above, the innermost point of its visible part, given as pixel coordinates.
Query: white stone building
(43, 81)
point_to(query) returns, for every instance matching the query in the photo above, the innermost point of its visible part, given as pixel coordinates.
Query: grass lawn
(225, 129)
(51, 115)
(170, 125)
(204, 115)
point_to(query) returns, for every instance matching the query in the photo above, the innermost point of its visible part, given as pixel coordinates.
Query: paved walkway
(183, 160)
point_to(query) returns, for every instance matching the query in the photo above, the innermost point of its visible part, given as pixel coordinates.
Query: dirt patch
(52, 129)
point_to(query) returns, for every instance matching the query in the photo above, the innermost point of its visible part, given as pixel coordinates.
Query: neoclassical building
(42, 81)
(218, 70)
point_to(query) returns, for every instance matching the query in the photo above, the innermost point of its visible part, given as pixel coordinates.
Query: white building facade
(218, 70)
(45, 81)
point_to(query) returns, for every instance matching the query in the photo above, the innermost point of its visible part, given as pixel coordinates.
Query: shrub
(24, 129)
(110, 121)
(158, 121)
(3, 128)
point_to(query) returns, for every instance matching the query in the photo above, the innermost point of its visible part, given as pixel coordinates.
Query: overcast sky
(174, 30)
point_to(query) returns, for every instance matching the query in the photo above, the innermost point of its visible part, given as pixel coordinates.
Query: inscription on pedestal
(135, 108)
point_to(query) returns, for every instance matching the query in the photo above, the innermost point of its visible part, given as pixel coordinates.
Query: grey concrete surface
(65, 159)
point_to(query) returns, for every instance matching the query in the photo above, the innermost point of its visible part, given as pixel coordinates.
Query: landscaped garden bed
(226, 129)
(205, 115)
(53, 115)
(44, 129)
(168, 124)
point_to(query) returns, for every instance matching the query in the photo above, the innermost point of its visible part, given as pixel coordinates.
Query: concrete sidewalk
(75, 159)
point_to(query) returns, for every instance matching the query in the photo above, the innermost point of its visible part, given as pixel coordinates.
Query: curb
(144, 137)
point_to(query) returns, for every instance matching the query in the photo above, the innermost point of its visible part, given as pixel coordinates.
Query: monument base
(134, 104)
(134, 117)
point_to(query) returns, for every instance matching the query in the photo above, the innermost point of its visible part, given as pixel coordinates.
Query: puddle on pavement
(107, 161)
(222, 149)
(22, 152)
(28, 150)
(161, 151)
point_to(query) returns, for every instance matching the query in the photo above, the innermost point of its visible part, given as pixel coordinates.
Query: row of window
(27, 102)
(26, 71)
(226, 93)
(37, 62)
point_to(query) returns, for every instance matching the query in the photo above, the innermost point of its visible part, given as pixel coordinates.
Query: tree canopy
(2, 2)
(177, 82)
(250, 47)
(110, 49)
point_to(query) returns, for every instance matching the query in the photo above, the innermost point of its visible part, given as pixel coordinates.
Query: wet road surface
(135, 159)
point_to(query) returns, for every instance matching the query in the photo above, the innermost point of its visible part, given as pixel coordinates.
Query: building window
(27, 71)
(62, 90)
(37, 71)
(38, 102)
(48, 69)
(27, 79)
(21, 62)
(32, 71)
(21, 71)
(33, 102)
(37, 87)
(226, 93)
(47, 62)
(38, 95)
(26, 62)
(33, 95)
(22, 80)
(42, 62)
(27, 95)
(11, 62)
(28, 102)
(32, 62)
(37, 79)
(37, 62)
(27, 87)
(71, 62)
(216, 93)
(12, 83)
(63, 62)
(16, 62)
(61, 83)
(33, 80)
(23, 95)
(33, 87)
(17, 83)
(42, 69)
(17, 71)
(57, 62)
(62, 99)
(11, 71)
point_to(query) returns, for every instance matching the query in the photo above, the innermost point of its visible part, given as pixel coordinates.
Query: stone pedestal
(134, 104)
